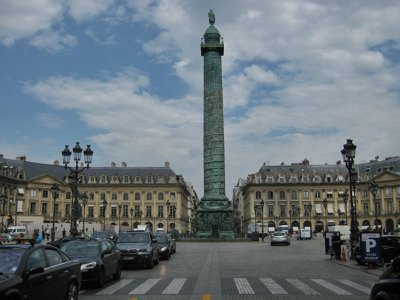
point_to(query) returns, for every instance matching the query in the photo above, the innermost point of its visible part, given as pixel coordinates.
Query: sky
(126, 77)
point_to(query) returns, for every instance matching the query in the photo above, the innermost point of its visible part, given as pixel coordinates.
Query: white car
(279, 237)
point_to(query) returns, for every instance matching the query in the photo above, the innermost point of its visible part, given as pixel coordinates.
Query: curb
(377, 272)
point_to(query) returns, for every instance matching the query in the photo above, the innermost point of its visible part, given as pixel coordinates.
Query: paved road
(242, 270)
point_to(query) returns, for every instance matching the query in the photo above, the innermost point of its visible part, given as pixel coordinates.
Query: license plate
(128, 258)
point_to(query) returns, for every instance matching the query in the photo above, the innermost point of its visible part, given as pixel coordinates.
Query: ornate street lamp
(168, 204)
(84, 198)
(374, 191)
(345, 199)
(325, 203)
(74, 172)
(349, 153)
(131, 211)
(119, 218)
(298, 209)
(3, 199)
(55, 190)
(104, 213)
(262, 219)
(309, 211)
(255, 220)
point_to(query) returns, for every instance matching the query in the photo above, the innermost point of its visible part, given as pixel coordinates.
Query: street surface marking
(243, 286)
(145, 286)
(273, 287)
(332, 287)
(356, 285)
(115, 287)
(304, 288)
(174, 287)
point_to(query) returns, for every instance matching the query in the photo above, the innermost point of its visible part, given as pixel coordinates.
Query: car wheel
(381, 262)
(72, 291)
(117, 274)
(101, 278)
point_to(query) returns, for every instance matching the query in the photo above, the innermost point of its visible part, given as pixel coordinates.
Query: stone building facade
(303, 195)
(134, 195)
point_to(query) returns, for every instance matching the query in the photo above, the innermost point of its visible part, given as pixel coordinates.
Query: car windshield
(279, 234)
(10, 259)
(134, 238)
(82, 248)
(162, 238)
(100, 235)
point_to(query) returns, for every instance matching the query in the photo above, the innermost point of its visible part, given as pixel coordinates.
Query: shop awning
(341, 207)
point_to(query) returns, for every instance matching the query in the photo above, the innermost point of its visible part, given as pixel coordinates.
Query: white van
(343, 229)
(17, 231)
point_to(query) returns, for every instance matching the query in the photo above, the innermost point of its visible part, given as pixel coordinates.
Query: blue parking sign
(371, 247)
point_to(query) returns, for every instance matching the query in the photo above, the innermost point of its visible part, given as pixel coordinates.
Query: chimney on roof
(377, 158)
(56, 163)
(123, 164)
(22, 157)
(112, 164)
(167, 164)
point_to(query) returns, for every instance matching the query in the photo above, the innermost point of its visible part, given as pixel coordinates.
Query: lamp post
(349, 153)
(339, 212)
(131, 211)
(55, 190)
(255, 220)
(119, 218)
(325, 203)
(3, 199)
(104, 214)
(84, 198)
(168, 204)
(262, 219)
(374, 191)
(309, 211)
(155, 220)
(74, 172)
(299, 212)
(345, 198)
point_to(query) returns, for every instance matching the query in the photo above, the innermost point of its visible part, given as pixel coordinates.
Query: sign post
(371, 248)
(330, 239)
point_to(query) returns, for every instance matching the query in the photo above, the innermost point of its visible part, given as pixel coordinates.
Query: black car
(29, 271)
(138, 248)
(388, 285)
(99, 259)
(105, 235)
(164, 245)
(172, 242)
(60, 242)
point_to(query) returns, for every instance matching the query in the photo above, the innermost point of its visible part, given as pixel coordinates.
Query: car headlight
(143, 251)
(164, 249)
(88, 266)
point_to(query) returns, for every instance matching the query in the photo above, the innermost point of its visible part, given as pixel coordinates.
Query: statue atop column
(211, 17)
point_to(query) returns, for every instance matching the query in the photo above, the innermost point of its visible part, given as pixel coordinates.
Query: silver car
(279, 237)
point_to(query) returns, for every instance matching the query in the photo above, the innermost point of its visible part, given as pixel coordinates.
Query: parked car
(29, 271)
(138, 248)
(164, 245)
(99, 259)
(61, 241)
(279, 237)
(106, 235)
(172, 242)
(388, 285)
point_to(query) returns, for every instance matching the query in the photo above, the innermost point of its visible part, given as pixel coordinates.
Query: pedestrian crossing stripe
(242, 286)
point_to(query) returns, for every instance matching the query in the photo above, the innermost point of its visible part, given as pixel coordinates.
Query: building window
(125, 211)
(91, 211)
(388, 191)
(137, 211)
(283, 211)
(378, 208)
(92, 179)
(91, 196)
(329, 195)
(56, 209)
(137, 196)
(33, 193)
(126, 179)
(270, 211)
(102, 196)
(282, 179)
(282, 195)
(160, 196)
(160, 213)
(172, 196)
(365, 208)
(44, 209)
(293, 179)
(172, 211)
(113, 211)
(138, 179)
(306, 195)
(258, 195)
(317, 195)
(305, 178)
(102, 211)
(126, 196)
(103, 179)
(293, 195)
(32, 209)
(114, 179)
(149, 196)
(149, 179)
(270, 179)
(68, 195)
(67, 210)
(270, 195)
(148, 212)
(45, 194)
(114, 196)
(389, 205)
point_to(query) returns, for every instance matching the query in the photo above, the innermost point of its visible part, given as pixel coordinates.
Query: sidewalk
(354, 265)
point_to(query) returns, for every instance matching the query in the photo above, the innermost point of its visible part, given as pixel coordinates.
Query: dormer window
(126, 179)
(103, 179)
(149, 179)
(270, 179)
(92, 179)
(138, 179)
(114, 179)
(160, 179)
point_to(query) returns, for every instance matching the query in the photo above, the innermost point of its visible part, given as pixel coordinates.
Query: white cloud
(53, 41)
(88, 9)
(51, 121)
